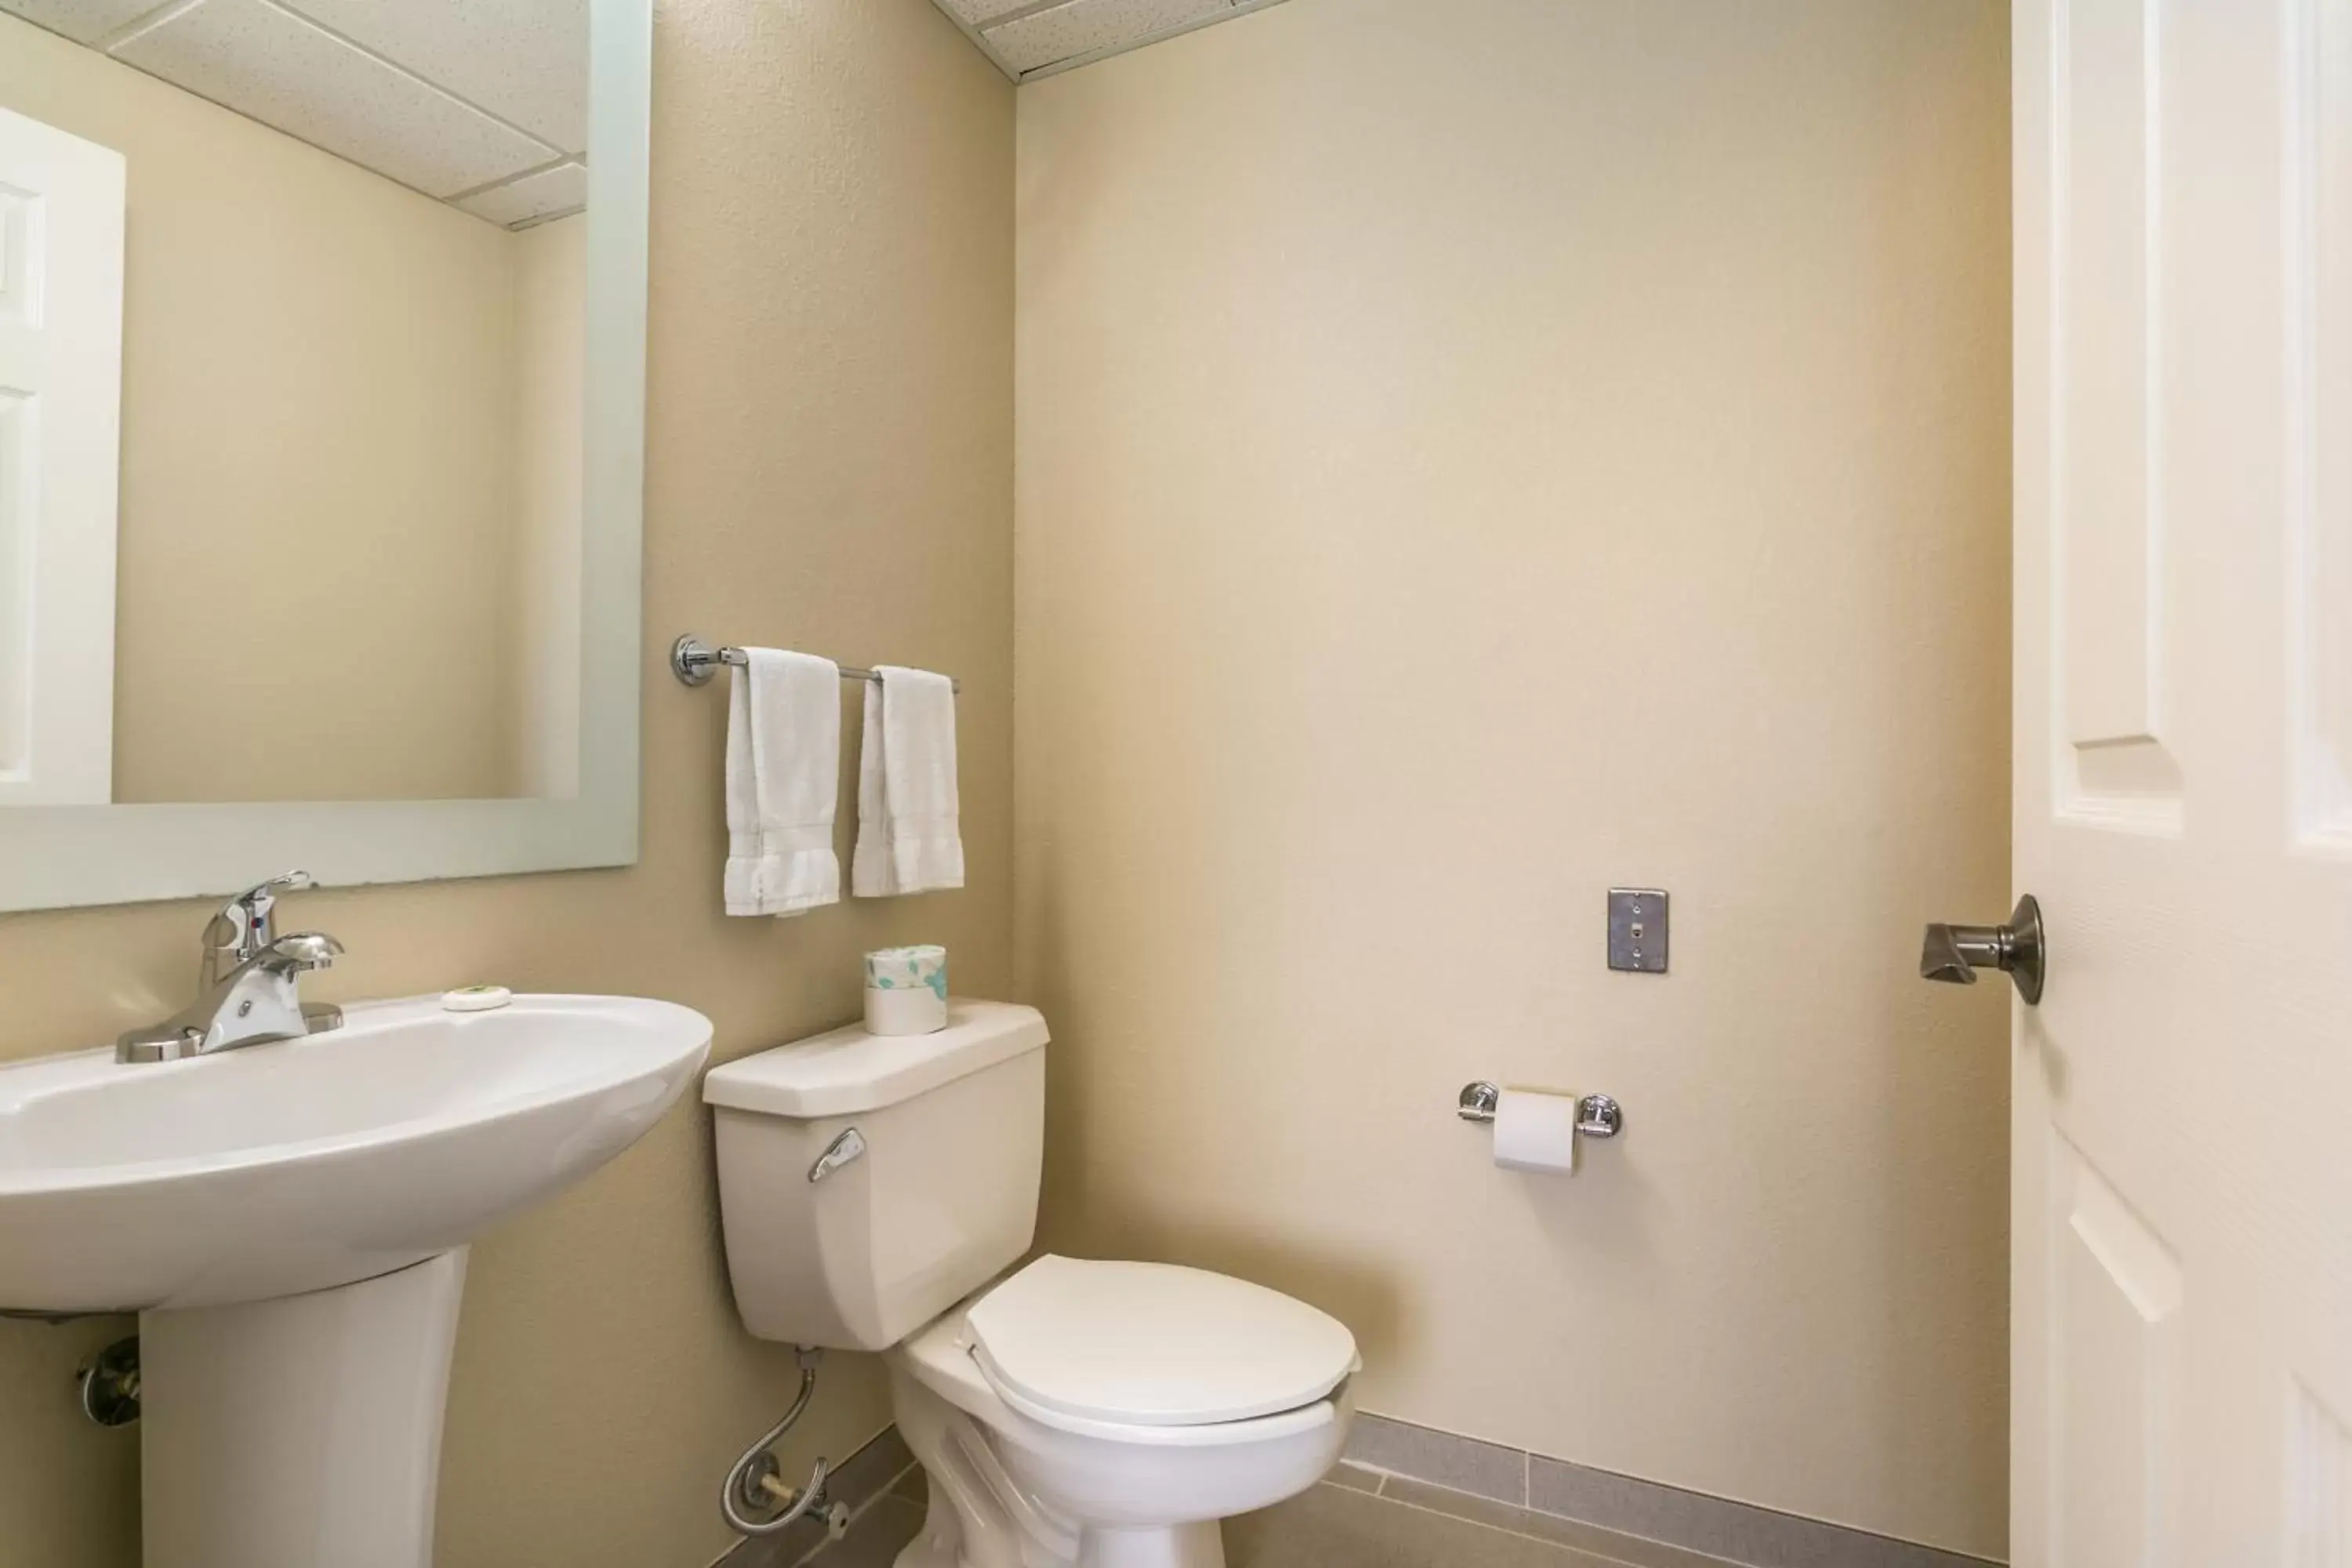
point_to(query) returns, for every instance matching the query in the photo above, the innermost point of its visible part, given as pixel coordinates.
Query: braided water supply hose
(754, 1483)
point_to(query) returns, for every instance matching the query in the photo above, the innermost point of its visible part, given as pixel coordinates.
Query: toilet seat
(939, 1358)
(1086, 1345)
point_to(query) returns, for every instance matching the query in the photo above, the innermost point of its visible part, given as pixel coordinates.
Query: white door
(60, 399)
(2182, 1117)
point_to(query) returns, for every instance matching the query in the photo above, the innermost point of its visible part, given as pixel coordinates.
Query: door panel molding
(2316, 144)
(2318, 1483)
(2114, 765)
(2115, 1346)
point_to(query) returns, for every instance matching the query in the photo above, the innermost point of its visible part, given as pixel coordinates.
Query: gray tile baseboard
(1465, 1464)
(1432, 1464)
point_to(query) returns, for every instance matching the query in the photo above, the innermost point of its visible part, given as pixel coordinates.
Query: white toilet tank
(930, 1189)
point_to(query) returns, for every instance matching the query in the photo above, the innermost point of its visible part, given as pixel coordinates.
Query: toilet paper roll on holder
(1597, 1115)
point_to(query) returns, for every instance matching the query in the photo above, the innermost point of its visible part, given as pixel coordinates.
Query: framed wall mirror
(321, 440)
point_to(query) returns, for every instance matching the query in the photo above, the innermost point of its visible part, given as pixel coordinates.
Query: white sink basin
(291, 1221)
(304, 1164)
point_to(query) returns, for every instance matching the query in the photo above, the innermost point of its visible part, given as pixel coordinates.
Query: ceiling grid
(481, 106)
(484, 106)
(1032, 38)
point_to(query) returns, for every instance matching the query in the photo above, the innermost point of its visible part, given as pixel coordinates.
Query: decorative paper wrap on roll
(906, 991)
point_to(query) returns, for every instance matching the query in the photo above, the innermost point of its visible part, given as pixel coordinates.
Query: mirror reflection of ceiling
(1029, 38)
(481, 106)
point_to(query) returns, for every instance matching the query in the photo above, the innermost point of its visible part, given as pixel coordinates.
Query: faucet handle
(261, 895)
(249, 911)
(244, 926)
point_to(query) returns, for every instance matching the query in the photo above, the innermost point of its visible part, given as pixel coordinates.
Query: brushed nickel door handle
(1953, 953)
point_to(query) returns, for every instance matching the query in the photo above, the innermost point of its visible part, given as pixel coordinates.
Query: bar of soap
(476, 999)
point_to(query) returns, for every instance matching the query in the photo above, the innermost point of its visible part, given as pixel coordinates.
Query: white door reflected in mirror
(61, 201)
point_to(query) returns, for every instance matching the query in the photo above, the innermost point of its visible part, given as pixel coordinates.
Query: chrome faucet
(249, 986)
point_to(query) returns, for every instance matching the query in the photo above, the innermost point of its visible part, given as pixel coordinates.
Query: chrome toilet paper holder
(1597, 1115)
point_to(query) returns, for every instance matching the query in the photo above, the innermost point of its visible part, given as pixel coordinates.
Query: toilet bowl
(1067, 1412)
(1015, 1482)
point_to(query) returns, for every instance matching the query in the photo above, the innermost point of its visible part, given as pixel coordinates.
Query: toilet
(876, 1193)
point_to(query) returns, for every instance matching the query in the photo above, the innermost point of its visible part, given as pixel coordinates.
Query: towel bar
(694, 662)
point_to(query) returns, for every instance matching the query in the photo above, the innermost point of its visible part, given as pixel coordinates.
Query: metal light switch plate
(1637, 929)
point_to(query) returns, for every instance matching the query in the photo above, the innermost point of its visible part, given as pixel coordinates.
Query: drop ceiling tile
(525, 61)
(526, 198)
(83, 21)
(1045, 37)
(978, 12)
(261, 61)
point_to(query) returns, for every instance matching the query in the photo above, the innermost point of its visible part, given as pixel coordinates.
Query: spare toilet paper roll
(906, 991)
(1535, 1130)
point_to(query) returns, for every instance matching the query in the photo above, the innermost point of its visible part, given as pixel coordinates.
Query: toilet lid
(1151, 1344)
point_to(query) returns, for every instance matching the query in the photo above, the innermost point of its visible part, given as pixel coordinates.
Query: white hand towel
(783, 769)
(907, 839)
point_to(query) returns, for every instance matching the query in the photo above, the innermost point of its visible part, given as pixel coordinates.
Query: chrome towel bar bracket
(694, 662)
(1597, 1115)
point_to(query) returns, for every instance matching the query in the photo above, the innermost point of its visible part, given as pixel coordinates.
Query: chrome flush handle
(850, 1145)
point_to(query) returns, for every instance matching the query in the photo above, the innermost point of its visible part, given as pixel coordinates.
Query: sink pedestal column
(300, 1431)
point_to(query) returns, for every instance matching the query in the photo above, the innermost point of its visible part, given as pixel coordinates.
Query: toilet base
(982, 1517)
(1196, 1546)
(1200, 1545)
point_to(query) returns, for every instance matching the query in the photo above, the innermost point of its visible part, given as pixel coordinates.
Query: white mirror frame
(61, 857)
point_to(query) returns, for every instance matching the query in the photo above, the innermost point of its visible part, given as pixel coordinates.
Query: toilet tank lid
(847, 1071)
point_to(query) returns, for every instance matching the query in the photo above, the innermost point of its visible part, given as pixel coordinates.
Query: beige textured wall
(829, 448)
(319, 396)
(1470, 455)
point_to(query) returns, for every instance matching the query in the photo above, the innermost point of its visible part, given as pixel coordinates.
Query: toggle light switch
(1637, 929)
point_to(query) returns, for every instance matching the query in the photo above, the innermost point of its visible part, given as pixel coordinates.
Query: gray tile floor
(1357, 1519)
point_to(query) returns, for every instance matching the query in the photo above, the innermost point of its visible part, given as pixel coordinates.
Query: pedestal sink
(289, 1222)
